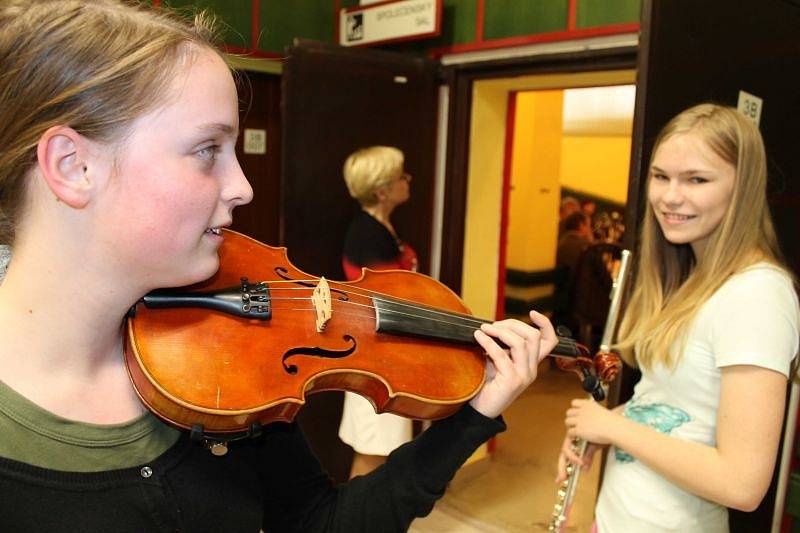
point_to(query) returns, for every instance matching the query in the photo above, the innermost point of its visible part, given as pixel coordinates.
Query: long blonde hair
(671, 284)
(92, 65)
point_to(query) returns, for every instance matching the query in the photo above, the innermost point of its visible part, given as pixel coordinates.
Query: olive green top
(32, 435)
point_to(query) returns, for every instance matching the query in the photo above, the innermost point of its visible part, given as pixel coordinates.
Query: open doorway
(530, 142)
(489, 184)
(564, 193)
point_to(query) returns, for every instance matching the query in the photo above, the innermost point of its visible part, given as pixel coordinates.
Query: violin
(244, 348)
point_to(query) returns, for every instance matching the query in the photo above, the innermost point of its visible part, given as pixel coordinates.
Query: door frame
(460, 78)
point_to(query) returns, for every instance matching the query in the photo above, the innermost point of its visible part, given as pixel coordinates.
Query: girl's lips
(675, 218)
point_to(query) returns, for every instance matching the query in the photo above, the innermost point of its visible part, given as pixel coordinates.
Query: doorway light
(599, 110)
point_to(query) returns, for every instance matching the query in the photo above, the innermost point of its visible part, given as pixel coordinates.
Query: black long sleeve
(414, 477)
(273, 483)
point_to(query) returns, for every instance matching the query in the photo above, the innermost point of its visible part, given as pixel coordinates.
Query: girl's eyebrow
(690, 171)
(219, 127)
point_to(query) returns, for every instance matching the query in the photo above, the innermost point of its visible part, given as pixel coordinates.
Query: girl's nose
(238, 190)
(673, 193)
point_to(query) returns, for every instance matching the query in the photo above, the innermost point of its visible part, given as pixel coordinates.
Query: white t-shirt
(753, 319)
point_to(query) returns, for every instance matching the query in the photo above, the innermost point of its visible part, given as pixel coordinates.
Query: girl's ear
(64, 157)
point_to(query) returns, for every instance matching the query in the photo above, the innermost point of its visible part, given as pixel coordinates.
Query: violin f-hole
(316, 351)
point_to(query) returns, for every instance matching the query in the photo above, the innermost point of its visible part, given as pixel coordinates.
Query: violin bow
(607, 366)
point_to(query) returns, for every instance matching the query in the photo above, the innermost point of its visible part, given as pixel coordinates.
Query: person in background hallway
(576, 238)
(569, 205)
(588, 208)
(117, 172)
(376, 179)
(713, 325)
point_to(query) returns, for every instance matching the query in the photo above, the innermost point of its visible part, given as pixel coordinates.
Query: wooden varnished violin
(245, 347)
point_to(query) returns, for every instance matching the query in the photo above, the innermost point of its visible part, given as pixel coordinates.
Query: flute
(607, 368)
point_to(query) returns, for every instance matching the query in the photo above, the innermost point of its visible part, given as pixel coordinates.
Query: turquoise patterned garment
(661, 417)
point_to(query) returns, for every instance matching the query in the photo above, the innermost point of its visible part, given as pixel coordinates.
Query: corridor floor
(514, 490)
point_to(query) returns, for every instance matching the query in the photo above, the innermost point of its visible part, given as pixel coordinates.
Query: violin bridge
(321, 298)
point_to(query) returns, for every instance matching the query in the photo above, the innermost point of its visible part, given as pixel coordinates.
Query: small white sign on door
(750, 106)
(255, 141)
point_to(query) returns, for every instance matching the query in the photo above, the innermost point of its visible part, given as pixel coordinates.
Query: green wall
(236, 15)
(510, 18)
(280, 21)
(604, 12)
(283, 20)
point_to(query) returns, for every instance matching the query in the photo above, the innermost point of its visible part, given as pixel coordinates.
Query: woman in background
(376, 179)
(713, 325)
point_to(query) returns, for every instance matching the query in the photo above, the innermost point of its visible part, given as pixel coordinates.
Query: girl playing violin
(117, 171)
(713, 325)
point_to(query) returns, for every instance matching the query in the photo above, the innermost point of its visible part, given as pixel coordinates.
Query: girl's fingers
(561, 474)
(571, 456)
(547, 332)
(500, 359)
(533, 343)
(523, 342)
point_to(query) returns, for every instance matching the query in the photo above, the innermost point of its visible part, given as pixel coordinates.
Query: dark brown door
(260, 98)
(691, 52)
(336, 100)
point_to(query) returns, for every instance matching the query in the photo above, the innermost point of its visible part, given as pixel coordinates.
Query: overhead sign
(390, 21)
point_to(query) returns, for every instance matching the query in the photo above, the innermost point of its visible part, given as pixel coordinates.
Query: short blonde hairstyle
(92, 65)
(369, 169)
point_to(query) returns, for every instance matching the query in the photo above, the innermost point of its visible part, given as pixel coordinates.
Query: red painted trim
(572, 15)
(565, 35)
(255, 23)
(480, 19)
(508, 159)
(491, 445)
(249, 52)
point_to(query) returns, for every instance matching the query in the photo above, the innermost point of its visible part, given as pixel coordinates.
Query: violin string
(463, 320)
(358, 291)
(388, 312)
(466, 322)
(562, 341)
(405, 303)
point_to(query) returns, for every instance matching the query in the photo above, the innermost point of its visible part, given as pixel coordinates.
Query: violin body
(193, 365)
